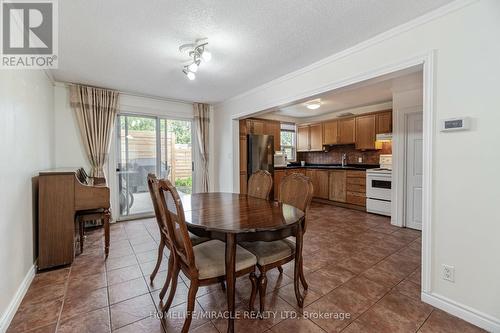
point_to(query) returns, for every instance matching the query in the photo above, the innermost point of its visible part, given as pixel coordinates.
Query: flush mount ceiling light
(197, 53)
(314, 104)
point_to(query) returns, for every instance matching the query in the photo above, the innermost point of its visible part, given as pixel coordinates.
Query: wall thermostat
(455, 124)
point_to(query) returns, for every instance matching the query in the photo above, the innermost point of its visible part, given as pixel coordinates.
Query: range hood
(384, 137)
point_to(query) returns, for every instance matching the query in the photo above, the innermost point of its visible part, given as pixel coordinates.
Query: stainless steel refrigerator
(260, 153)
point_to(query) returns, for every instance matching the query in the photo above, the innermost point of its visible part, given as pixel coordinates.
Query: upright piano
(62, 193)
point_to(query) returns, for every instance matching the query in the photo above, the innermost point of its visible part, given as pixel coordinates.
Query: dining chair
(295, 190)
(203, 264)
(260, 184)
(152, 182)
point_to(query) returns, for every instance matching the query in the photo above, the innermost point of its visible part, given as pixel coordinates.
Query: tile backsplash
(334, 155)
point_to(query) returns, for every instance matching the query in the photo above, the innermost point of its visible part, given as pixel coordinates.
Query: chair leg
(169, 276)
(158, 260)
(223, 285)
(193, 289)
(81, 225)
(253, 279)
(107, 218)
(173, 288)
(301, 274)
(280, 269)
(262, 290)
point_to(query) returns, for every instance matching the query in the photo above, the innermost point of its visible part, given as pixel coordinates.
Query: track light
(198, 53)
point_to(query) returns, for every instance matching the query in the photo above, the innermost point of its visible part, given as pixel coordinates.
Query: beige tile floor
(363, 275)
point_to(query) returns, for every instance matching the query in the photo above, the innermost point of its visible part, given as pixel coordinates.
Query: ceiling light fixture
(313, 105)
(197, 52)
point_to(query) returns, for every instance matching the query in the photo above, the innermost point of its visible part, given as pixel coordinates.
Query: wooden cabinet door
(243, 184)
(319, 179)
(255, 126)
(337, 188)
(278, 175)
(316, 137)
(384, 122)
(243, 154)
(303, 138)
(365, 132)
(273, 128)
(330, 133)
(346, 131)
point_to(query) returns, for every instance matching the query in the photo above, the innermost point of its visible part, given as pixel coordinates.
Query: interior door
(137, 156)
(414, 170)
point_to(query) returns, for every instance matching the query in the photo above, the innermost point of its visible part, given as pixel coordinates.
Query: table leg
(107, 218)
(230, 278)
(298, 259)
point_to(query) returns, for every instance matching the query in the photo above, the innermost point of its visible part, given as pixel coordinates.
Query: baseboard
(464, 312)
(16, 301)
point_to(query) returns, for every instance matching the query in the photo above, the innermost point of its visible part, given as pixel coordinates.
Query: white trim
(435, 14)
(16, 300)
(464, 312)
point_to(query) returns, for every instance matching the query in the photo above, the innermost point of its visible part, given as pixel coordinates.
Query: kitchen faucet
(344, 159)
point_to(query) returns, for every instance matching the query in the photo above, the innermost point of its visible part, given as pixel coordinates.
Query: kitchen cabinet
(347, 132)
(319, 179)
(365, 132)
(243, 183)
(384, 122)
(278, 176)
(310, 137)
(330, 133)
(255, 126)
(303, 138)
(274, 128)
(337, 185)
(356, 187)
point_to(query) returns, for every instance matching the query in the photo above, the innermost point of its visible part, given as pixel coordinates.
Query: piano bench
(92, 215)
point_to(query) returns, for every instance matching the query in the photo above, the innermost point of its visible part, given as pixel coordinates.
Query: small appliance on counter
(279, 159)
(379, 187)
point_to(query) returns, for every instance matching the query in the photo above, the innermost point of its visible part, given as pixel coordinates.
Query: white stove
(379, 187)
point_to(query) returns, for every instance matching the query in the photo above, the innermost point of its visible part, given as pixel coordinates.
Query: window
(288, 136)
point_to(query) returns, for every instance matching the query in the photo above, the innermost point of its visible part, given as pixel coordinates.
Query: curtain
(202, 120)
(96, 111)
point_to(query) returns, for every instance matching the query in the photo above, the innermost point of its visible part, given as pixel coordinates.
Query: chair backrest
(296, 190)
(260, 184)
(172, 213)
(153, 188)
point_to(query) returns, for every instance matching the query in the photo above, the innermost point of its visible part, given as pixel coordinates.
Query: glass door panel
(137, 156)
(176, 153)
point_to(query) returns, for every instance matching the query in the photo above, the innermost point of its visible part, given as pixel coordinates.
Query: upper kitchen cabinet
(365, 132)
(273, 128)
(310, 137)
(255, 126)
(384, 122)
(330, 133)
(346, 131)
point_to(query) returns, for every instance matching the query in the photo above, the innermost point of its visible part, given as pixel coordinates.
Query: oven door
(379, 187)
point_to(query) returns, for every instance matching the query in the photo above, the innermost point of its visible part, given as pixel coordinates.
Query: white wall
(26, 140)
(465, 164)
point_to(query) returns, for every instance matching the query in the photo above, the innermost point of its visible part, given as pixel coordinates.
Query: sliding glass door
(151, 145)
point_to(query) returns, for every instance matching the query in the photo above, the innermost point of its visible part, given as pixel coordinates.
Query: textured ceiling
(133, 45)
(365, 93)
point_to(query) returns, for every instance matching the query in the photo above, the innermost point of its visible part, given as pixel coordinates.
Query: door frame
(114, 157)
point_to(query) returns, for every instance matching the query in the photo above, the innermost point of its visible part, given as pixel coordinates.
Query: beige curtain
(96, 113)
(202, 120)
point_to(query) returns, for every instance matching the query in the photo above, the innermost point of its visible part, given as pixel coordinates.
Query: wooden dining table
(234, 218)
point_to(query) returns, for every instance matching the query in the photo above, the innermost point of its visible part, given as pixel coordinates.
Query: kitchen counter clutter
(329, 166)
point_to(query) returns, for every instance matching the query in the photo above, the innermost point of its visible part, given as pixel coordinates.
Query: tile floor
(363, 275)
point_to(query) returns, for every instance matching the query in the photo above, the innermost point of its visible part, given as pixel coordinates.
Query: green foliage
(184, 182)
(287, 138)
(181, 128)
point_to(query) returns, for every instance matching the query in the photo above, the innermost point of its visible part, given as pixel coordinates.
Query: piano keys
(62, 193)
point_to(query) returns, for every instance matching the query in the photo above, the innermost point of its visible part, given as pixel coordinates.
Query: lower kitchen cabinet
(319, 179)
(278, 176)
(337, 185)
(356, 187)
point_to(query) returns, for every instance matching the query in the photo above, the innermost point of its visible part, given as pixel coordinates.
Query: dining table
(234, 218)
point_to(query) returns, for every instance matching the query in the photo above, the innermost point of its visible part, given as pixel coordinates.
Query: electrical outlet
(449, 273)
(360, 159)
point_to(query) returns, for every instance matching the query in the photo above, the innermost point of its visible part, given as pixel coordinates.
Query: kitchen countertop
(329, 166)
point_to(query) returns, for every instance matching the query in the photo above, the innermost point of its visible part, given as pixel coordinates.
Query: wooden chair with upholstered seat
(203, 264)
(260, 184)
(195, 240)
(295, 190)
